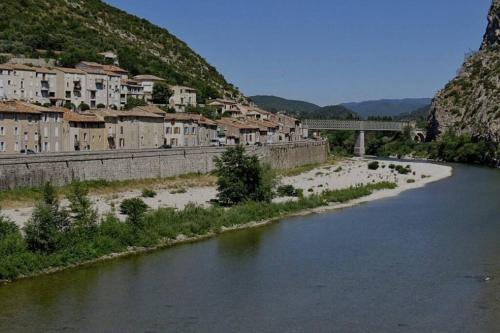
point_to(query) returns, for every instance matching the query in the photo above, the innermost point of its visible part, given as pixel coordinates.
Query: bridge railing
(356, 125)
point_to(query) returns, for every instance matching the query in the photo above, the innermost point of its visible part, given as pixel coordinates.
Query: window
(84, 136)
(168, 130)
(68, 94)
(193, 130)
(16, 117)
(30, 118)
(16, 130)
(121, 129)
(25, 136)
(57, 146)
(56, 132)
(177, 130)
(45, 132)
(36, 136)
(186, 130)
(2, 146)
(2, 130)
(36, 148)
(45, 146)
(16, 146)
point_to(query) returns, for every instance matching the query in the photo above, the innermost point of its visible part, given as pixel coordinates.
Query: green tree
(82, 212)
(135, 209)
(134, 102)
(11, 240)
(161, 93)
(242, 178)
(48, 224)
(83, 106)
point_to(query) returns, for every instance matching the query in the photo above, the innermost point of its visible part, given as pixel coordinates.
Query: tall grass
(159, 226)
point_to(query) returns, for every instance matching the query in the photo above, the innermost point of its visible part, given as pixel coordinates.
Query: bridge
(360, 126)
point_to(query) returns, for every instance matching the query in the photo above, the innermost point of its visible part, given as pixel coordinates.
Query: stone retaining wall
(62, 168)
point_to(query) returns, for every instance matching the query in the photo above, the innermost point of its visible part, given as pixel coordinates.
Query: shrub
(11, 240)
(373, 165)
(410, 181)
(403, 170)
(47, 226)
(134, 208)
(148, 193)
(82, 212)
(242, 178)
(289, 191)
(84, 107)
(101, 106)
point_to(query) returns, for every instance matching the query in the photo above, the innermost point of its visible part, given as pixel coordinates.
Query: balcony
(45, 85)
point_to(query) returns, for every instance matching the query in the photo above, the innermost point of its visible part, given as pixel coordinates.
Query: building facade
(182, 97)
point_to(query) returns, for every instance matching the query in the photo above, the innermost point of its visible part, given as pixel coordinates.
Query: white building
(25, 83)
(71, 86)
(148, 82)
(103, 87)
(182, 97)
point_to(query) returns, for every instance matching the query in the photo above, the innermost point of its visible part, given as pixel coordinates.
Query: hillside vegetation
(470, 103)
(75, 30)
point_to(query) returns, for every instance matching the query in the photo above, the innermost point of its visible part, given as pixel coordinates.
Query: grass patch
(159, 226)
(22, 197)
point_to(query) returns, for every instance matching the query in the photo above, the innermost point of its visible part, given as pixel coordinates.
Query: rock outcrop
(470, 103)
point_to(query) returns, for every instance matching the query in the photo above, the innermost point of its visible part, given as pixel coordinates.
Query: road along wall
(63, 168)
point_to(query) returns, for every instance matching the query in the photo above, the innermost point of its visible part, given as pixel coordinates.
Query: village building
(224, 106)
(103, 88)
(148, 82)
(130, 89)
(181, 129)
(84, 131)
(182, 97)
(268, 130)
(132, 129)
(25, 126)
(237, 132)
(71, 86)
(207, 132)
(26, 83)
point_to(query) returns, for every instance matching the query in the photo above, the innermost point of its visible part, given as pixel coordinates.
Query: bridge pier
(359, 146)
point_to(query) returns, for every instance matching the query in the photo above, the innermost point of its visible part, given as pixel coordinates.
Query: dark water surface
(413, 263)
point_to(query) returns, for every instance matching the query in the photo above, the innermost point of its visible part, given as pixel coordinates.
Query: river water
(417, 262)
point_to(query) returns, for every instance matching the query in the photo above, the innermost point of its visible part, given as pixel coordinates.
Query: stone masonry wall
(60, 169)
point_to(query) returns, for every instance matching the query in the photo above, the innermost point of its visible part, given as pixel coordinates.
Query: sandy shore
(342, 174)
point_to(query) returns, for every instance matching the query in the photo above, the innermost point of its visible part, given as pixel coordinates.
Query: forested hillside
(75, 30)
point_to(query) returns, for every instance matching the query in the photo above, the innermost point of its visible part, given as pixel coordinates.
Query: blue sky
(326, 51)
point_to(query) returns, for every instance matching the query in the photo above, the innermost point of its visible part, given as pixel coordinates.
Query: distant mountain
(330, 112)
(275, 104)
(302, 109)
(387, 107)
(418, 114)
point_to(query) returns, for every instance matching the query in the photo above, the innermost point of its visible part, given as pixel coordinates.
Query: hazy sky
(326, 51)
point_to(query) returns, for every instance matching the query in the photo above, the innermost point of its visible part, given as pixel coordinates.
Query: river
(427, 260)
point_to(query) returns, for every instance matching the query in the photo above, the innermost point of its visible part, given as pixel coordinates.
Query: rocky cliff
(470, 103)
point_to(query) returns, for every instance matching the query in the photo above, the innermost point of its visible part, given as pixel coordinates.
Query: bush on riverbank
(242, 177)
(156, 226)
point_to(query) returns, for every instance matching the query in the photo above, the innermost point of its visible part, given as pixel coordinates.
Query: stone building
(224, 106)
(268, 130)
(103, 88)
(132, 129)
(25, 83)
(238, 132)
(182, 97)
(26, 126)
(148, 82)
(130, 88)
(181, 129)
(84, 131)
(71, 86)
